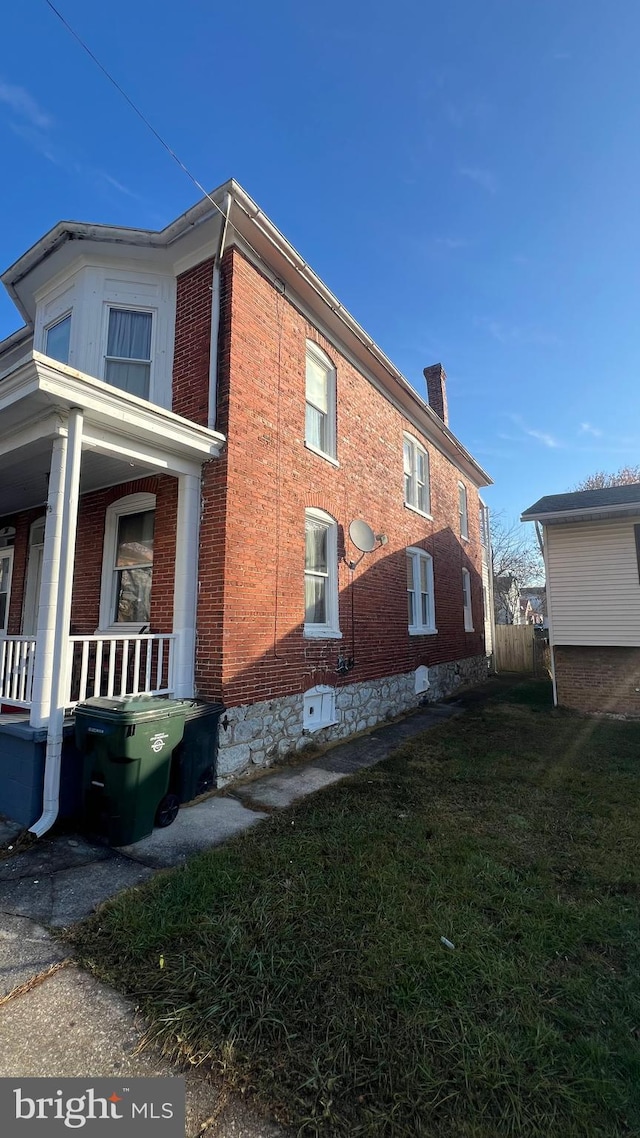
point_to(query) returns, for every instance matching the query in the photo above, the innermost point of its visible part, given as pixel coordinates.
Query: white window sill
(422, 631)
(319, 632)
(463, 538)
(467, 629)
(319, 726)
(322, 454)
(416, 510)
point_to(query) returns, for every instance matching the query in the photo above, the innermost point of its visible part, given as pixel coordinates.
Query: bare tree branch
(517, 562)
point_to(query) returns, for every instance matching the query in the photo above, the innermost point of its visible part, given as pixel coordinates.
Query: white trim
(464, 532)
(415, 510)
(331, 629)
(33, 580)
(7, 552)
(130, 504)
(185, 588)
(416, 446)
(417, 555)
(466, 596)
(321, 454)
(320, 357)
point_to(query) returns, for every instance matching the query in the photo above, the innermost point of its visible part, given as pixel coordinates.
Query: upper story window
(113, 324)
(7, 538)
(416, 476)
(320, 575)
(420, 594)
(320, 396)
(127, 566)
(58, 338)
(462, 510)
(128, 356)
(466, 600)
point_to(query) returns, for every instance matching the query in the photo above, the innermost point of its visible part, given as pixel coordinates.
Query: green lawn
(304, 961)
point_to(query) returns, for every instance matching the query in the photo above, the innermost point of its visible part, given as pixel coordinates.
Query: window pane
(316, 428)
(133, 378)
(425, 610)
(57, 342)
(133, 596)
(424, 576)
(129, 334)
(409, 571)
(315, 600)
(135, 540)
(315, 547)
(317, 384)
(407, 451)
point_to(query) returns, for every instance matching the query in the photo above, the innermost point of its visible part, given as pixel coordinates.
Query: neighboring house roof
(244, 224)
(586, 505)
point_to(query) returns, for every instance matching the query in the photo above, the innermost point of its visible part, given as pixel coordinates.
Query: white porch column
(46, 622)
(61, 646)
(185, 592)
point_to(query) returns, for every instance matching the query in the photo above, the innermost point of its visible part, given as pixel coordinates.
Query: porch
(83, 609)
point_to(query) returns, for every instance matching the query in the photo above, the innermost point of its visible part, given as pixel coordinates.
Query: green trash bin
(194, 759)
(126, 746)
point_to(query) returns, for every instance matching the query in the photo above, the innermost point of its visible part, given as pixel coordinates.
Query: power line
(133, 106)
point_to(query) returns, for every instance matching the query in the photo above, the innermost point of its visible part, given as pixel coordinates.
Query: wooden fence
(519, 649)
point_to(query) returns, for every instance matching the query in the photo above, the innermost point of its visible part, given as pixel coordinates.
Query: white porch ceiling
(24, 475)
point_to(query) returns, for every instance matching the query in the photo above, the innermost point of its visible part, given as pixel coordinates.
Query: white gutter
(61, 646)
(584, 513)
(215, 324)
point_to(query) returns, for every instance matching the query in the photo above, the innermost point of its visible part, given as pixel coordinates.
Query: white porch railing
(17, 654)
(120, 665)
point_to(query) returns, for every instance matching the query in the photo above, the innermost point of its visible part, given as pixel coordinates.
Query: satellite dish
(362, 536)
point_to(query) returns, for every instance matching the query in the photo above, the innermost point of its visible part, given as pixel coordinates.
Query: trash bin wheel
(167, 811)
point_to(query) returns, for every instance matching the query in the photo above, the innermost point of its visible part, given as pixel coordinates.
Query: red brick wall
(193, 344)
(252, 552)
(595, 679)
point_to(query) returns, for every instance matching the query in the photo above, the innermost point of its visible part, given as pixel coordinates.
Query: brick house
(592, 565)
(190, 422)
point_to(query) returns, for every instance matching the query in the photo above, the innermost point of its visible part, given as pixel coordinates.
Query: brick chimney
(436, 378)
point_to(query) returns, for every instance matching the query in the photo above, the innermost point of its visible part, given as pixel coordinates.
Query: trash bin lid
(131, 708)
(196, 709)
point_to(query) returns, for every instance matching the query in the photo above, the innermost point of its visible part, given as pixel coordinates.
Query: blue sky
(464, 178)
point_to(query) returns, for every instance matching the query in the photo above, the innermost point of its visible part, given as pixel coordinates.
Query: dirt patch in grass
(305, 961)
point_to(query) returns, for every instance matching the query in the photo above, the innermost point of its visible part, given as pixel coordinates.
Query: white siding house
(592, 561)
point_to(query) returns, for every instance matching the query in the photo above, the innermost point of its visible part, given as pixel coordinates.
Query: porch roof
(124, 437)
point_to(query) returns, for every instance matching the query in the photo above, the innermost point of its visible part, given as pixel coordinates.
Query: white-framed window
(320, 402)
(127, 361)
(57, 339)
(320, 575)
(127, 564)
(462, 510)
(6, 568)
(416, 475)
(466, 600)
(420, 593)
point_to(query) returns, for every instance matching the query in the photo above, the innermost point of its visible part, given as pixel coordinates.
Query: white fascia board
(593, 513)
(113, 445)
(119, 408)
(125, 416)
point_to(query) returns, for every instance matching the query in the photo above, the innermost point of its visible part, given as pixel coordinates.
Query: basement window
(319, 708)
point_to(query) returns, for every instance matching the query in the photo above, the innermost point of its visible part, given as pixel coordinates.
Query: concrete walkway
(56, 1020)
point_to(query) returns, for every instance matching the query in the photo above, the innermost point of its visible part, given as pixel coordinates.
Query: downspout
(215, 323)
(60, 678)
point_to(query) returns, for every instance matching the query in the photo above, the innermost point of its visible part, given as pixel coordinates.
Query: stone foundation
(258, 734)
